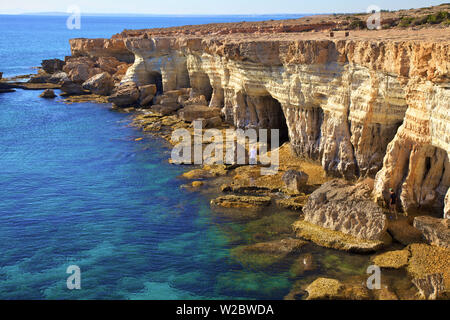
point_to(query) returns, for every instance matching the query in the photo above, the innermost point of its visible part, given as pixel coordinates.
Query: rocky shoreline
(342, 151)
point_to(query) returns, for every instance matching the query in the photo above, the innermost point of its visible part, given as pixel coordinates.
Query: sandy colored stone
(392, 259)
(334, 239)
(428, 260)
(247, 202)
(341, 206)
(325, 289)
(197, 174)
(197, 184)
(436, 231)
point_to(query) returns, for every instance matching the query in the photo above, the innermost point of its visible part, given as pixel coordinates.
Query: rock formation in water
(375, 104)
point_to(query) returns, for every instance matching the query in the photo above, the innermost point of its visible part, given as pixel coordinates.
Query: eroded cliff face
(361, 107)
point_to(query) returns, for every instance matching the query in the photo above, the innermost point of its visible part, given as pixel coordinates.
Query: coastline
(403, 247)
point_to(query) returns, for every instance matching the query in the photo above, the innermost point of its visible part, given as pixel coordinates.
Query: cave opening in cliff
(156, 78)
(282, 124)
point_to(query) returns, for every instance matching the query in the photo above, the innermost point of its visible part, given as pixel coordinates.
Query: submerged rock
(294, 204)
(392, 259)
(265, 254)
(71, 88)
(197, 174)
(247, 202)
(302, 264)
(340, 206)
(48, 94)
(435, 231)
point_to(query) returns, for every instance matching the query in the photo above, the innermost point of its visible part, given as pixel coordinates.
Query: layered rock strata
(369, 105)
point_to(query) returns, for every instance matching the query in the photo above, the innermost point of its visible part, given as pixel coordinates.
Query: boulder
(53, 65)
(340, 206)
(48, 94)
(295, 180)
(402, 231)
(71, 88)
(435, 231)
(147, 93)
(247, 202)
(194, 112)
(165, 110)
(101, 84)
(79, 69)
(125, 95)
(265, 254)
(58, 77)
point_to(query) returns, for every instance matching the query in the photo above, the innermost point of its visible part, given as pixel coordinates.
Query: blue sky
(208, 6)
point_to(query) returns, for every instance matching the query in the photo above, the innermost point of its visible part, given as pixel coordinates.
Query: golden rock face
(373, 104)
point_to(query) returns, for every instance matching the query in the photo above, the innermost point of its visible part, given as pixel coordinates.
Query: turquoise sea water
(77, 189)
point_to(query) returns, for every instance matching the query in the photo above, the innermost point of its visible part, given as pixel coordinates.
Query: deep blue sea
(77, 189)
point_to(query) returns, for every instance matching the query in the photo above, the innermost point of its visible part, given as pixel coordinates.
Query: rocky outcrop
(53, 65)
(435, 231)
(48, 94)
(347, 208)
(366, 105)
(125, 95)
(101, 48)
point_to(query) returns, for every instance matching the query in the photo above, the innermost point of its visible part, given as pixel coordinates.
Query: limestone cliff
(372, 104)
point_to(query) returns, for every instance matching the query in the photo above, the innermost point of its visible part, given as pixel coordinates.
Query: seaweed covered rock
(247, 202)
